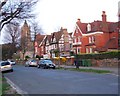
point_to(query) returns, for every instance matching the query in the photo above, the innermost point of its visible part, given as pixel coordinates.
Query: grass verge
(90, 70)
(6, 88)
(86, 70)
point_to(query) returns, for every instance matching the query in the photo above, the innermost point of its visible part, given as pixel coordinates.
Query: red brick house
(39, 45)
(58, 41)
(98, 36)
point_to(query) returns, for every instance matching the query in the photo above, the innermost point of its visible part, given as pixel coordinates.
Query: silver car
(5, 66)
(31, 63)
(12, 62)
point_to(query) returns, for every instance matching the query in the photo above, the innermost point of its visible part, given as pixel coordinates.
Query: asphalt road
(49, 81)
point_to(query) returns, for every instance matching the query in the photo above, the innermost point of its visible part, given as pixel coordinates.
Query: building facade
(98, 36)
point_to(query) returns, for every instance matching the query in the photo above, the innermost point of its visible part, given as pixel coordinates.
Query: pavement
(114, 70)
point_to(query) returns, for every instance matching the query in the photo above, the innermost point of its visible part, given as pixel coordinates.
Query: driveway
(49, 81)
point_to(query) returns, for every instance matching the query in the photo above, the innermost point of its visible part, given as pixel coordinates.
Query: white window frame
(91, 50)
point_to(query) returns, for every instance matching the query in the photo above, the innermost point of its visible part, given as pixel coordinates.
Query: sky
(51, 15)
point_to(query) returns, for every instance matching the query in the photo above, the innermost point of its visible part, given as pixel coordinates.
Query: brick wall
(105, 62)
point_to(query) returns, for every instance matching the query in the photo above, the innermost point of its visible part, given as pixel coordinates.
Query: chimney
(78, 20)
(104, 19)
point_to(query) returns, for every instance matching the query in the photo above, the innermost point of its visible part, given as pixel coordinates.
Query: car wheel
(11, 70)
(53, 67)
(44, 67)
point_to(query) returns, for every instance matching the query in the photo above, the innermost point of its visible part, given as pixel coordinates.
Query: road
(49, 81)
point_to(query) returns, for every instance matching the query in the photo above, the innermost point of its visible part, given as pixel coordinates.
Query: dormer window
(88, 27)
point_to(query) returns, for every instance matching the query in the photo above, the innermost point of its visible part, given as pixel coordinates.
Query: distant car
(5, 66)
(46, 64)
(31, 63)
(12, 62)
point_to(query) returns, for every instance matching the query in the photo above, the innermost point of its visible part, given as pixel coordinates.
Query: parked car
(46, 64)
(5, 66)
(31, 62)
(11, 62)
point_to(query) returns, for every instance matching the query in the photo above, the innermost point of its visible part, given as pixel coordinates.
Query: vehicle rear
(5, 66)
(31, 63)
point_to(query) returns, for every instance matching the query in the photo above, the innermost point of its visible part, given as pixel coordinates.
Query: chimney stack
(78, 20)
(104, 19)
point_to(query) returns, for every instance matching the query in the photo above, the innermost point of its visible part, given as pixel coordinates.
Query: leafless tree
(12, 33)
(36, 29)
(23, 46)
(15, 9)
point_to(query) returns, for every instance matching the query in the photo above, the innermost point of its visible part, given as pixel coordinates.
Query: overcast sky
(53, 14)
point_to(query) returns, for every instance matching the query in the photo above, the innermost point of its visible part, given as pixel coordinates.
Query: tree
(7, 51)
(23, 46)
(12, 34)
(15, 9)
(35, 30)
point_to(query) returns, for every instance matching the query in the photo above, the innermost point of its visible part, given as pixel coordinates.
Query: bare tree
(36, 29)
(15, 9)
(23, 46)
(12, 33)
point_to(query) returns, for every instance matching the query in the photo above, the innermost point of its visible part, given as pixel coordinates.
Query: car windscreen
(33, 61)
(47, 61)
(5, 63)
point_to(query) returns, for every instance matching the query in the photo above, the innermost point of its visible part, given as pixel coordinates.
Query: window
(79, 39)
(75, 40)
(93, 39)
(71, 45)
(87, 50)
(78, 50)
(90, 50)
(88, 27)
(90, 40)
(76, 29)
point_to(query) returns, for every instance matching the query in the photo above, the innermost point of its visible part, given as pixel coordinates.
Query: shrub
(104, 55)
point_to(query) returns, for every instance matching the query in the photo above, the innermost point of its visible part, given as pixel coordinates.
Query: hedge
(104, 55)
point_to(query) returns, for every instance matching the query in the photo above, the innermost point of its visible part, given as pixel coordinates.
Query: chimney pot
(104, 19)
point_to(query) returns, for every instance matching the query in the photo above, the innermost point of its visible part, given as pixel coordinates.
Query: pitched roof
(48, 38)
(98, 26)
(112, 44)
(39, 38)
(82, 26)
(57, 35)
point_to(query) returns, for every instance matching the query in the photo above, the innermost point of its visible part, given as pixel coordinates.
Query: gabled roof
(113, 27)
(82, 26)
(49, 38)
(112, 44)
(98, 26)
(57, 35)
(39, 38)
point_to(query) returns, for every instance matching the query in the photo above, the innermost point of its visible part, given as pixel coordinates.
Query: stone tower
(26, 43)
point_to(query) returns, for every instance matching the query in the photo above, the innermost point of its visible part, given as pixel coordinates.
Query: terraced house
(57, 44)
(94, 37)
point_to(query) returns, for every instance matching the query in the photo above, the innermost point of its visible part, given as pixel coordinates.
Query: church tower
(26, 42)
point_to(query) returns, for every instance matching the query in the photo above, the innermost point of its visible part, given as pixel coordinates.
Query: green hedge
(104, 55)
